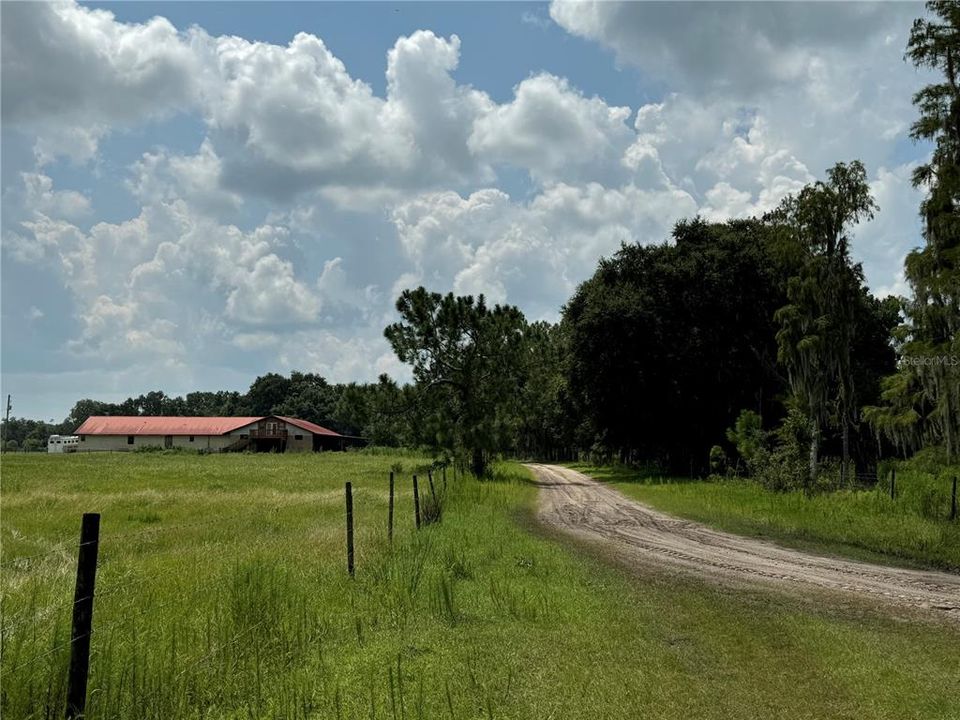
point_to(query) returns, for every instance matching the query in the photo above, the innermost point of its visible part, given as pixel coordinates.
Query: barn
(270, 433)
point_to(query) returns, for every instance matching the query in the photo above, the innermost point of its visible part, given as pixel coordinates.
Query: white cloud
(40, 197)
(268, 293)
(882, 244)
(283, 238)
(555, 132)
(287, 119)
(72, 73)
(139, 286)
(735, 49)
(535, 253)
(164, 177)
(255, 340)
(360, 357)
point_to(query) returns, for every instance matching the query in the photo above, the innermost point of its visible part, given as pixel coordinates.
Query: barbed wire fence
(83, 630)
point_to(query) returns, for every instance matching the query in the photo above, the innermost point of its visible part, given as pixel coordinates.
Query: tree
(930, 375)
(543, 408)
(466, 360)
(310, 397)
(267, 393)
(818, 323)
(668, 343)
(87, 408)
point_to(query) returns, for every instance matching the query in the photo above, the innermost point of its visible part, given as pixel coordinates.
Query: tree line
(750, 346)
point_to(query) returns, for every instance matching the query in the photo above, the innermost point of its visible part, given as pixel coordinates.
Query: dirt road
(640, 536)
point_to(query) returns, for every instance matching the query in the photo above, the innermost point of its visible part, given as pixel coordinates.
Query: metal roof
(309, 426)
(177, 425)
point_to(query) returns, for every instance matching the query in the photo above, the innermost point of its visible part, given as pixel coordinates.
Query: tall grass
(222, 593)
(912, 527)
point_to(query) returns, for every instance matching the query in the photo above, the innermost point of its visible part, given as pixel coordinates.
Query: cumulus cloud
(530, 253)
(283, 236)
(361, 356)
(75, 73)
(882, 244)
(740, 48)
(140, 286)
(162, 176)
(287, 119)
(555, 132)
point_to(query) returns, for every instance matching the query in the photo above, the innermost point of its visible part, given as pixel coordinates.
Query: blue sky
(198, 193)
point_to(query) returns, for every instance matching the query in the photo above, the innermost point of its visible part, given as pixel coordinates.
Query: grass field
(913, 529)
(222, 593)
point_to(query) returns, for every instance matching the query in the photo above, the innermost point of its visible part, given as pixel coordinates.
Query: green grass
(911, 530)
(222, 593)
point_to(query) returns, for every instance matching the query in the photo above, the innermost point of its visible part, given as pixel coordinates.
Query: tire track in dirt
(578, 505)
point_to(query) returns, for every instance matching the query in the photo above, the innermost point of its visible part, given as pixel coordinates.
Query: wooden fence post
(433, 493)
(349, 492)
(893, 484)
(416, 501)
(83, 615)
(444, 478)
(953, 500)
(390, 517)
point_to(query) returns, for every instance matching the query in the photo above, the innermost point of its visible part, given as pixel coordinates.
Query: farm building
(271, 433)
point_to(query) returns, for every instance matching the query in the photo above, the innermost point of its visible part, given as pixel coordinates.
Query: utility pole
(6, 425)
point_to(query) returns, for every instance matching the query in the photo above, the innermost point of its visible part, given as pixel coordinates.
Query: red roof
(312, 427)
(176, 425)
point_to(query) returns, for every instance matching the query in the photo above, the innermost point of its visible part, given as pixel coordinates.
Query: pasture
(222, 592)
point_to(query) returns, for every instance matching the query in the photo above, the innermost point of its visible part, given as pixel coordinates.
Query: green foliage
(922, 403)
(467, 361)
(784, 467)
(818, 324)
(747, 436)
(667, 342)
(544, 411)
(718, 460)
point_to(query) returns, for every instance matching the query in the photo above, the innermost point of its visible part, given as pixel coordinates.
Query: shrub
(747, 436)
(718, 460)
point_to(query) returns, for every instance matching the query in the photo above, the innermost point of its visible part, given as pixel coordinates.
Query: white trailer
(63, 443)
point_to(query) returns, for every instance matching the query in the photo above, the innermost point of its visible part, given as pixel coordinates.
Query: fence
(83, 629)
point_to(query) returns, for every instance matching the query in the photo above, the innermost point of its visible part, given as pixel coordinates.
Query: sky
(195, 194)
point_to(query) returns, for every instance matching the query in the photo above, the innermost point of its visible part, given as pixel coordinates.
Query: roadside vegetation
(222, 592)
(913, 528)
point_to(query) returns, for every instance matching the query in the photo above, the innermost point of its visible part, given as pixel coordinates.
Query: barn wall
(118, 443)
(305, 444)
(92, 443)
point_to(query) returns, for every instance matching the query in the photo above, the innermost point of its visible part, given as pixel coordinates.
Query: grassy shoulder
(911, 530)
(222, 593)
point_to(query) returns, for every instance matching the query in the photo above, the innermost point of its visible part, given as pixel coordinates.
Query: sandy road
(640, 536)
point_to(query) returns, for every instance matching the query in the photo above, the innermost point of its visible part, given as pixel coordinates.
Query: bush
(747, 436)
(718, 460)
